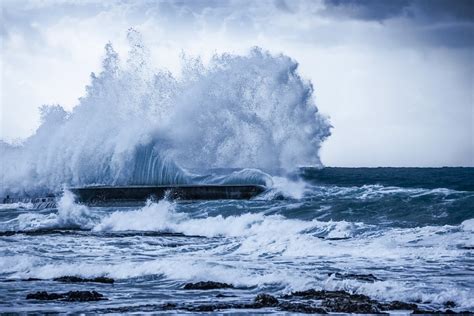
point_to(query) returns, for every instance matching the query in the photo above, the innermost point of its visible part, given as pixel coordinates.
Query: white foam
(69, 215)
(152, 217)
(282, 186)
(468, 225)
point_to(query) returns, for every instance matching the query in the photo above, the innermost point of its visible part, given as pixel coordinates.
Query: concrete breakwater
(32, 202)
(138, 195)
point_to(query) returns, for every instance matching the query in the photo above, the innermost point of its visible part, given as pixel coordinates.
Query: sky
(395, 77)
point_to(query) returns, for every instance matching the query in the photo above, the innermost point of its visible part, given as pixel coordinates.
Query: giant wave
(138, 125)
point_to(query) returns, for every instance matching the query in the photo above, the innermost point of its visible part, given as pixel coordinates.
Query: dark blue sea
(403, 234)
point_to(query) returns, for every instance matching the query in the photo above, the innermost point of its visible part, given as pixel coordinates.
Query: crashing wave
(137, 125)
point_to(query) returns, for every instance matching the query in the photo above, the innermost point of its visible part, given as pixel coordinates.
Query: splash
(138, 125)
(69, 216)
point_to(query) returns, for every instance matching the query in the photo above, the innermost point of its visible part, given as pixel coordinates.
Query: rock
(340, 301)
(265, 300)
(44, 296)
(344, 302)
(348, 305)
(321, 295)
(208, 285)
(75, 279)
(397, 305)
(83, 296)
(210, 307)
(301, 308)
(360, 277)
(449, 304)
(103, 280)
(72, 296)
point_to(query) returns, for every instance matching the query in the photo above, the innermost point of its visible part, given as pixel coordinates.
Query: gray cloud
(434, 22)
(366, 9)
(423, 11)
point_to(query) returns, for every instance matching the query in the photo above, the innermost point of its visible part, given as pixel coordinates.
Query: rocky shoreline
(311, 301)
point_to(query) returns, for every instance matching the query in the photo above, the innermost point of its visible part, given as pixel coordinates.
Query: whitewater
(309, 238)
(393, 234)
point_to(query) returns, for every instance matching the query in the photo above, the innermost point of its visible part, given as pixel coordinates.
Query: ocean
(392, 234)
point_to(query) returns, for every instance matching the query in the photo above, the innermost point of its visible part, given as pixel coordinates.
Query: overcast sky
(395, 77)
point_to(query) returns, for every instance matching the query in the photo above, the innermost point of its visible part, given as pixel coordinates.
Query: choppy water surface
(417, 242)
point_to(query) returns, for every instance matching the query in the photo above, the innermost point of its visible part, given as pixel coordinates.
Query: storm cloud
(396, 77)
(438, 22)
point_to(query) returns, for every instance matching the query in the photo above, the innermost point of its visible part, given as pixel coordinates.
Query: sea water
(418, 243)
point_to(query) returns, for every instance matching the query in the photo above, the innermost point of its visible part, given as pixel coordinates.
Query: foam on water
(468, 225)
(260, 232)
(254, 249)
(285, 187)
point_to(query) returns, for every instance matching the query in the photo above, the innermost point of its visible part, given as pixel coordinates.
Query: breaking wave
(138, 125)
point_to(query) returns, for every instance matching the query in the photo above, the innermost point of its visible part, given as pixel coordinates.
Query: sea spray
(138, 125)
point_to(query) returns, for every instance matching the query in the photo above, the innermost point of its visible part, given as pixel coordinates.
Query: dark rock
(75, 279)
(344, 302)
(397, 305)
(83, 296)
(72, 296)
(449, 304)
(103, 280)
(301, 308)
(208, 285)
(361, 277)
(340, 301)
(348, 305)
(264, 299)
(44, 296)
(321, 295)
(210, 307)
